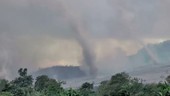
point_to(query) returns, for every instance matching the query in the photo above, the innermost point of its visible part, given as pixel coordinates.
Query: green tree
(168, 79)
(41, 82)
(4, 85)
(115, 85)
(24, 80)
(87, 89)
(53, 88)
(5, 94)
(49, 86)
(22, 86)
(87, 85)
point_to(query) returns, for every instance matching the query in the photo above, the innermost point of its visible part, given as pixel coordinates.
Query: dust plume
(89, 58)
(95, 34)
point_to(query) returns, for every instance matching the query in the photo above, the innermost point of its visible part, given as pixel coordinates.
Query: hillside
(61, 72)
(143, 65)
(153, 66)
(152, 54)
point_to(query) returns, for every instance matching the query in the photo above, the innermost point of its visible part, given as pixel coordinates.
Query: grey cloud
(103, 18)
(119, 19)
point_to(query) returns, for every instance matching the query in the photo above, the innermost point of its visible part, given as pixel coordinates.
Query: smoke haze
(99, 34)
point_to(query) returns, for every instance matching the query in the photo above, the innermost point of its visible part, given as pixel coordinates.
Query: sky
(43, 33)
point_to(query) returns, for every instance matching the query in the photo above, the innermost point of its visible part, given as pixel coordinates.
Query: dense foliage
(120, 84)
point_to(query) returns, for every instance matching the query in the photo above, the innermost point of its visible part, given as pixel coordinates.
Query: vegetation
(120, 84)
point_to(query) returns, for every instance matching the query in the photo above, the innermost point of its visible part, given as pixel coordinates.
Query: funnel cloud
(97, 35)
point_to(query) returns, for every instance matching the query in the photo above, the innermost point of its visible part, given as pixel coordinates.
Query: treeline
(120, 84)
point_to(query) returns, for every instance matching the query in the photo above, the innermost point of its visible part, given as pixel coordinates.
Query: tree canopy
(120, 84)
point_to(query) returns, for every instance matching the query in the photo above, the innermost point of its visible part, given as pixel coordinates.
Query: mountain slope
(151, 54)
(61, 72)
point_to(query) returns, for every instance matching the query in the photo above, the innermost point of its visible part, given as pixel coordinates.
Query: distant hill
(142, 63)
(160, 52)
(61, 72)
(146, 68)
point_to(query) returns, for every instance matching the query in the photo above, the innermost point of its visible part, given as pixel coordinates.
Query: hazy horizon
(94, 34)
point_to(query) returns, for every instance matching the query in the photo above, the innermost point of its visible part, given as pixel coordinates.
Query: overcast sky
(36, 33)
